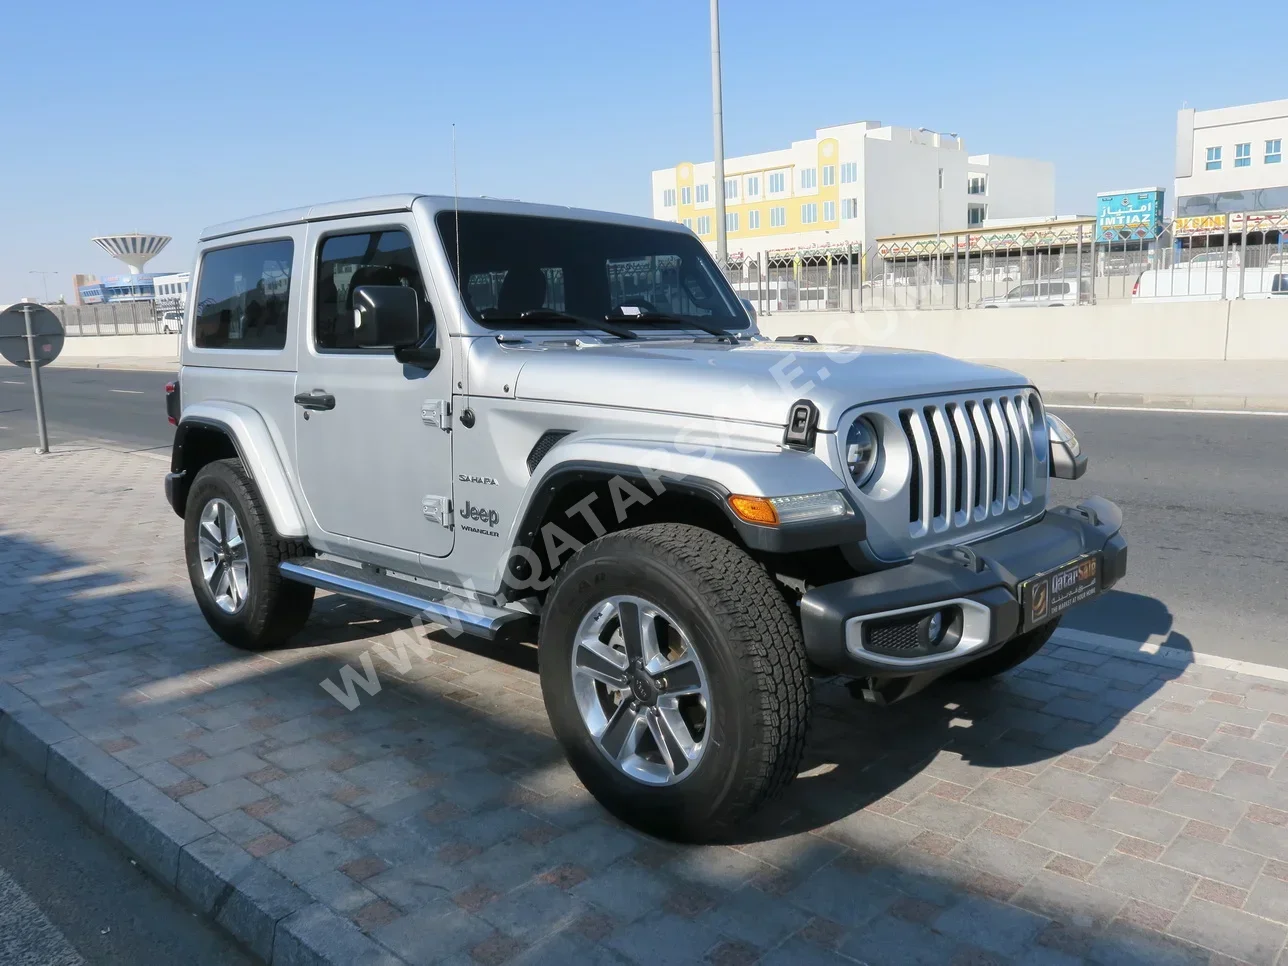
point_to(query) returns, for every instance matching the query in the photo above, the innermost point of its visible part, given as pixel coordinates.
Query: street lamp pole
(717, 112)
(45, 277)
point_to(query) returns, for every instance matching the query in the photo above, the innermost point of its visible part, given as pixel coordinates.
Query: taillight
(172, 402)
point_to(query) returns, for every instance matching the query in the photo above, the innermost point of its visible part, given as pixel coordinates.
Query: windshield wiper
(689, 323)
(553, 315)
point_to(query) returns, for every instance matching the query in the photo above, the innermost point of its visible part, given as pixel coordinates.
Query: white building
(1231, 159)
(850, 184)
(171, 291)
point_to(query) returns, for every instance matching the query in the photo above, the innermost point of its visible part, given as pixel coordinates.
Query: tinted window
(243, 296)
(519, 263)
(347, 262)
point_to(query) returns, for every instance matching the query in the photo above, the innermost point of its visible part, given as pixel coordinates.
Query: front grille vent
(972, 460)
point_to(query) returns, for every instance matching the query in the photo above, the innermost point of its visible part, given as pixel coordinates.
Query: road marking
(131, 392)
(1161, 409)
(1153, 652)
(12, 382)
(26, 934)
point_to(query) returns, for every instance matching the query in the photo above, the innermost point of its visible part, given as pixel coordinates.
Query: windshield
(517, 264)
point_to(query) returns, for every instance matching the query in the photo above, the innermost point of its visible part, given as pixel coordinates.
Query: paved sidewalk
(158, 363)
(1086, 809)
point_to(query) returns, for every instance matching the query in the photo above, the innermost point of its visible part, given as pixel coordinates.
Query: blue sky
(167, 117)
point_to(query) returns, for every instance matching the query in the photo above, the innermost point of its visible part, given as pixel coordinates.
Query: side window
(243, 295)
(347, 262)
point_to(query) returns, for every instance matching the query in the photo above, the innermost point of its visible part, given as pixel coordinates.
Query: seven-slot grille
(972, 459)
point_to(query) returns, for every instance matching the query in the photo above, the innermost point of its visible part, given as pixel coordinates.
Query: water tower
(134, 249)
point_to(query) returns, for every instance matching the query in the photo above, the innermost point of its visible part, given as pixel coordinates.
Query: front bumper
(981, 582)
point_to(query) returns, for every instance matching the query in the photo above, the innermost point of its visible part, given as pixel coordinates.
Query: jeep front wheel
(232, 554)
(675, 677)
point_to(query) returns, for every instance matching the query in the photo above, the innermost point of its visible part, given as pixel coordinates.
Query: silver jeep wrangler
(563, 426)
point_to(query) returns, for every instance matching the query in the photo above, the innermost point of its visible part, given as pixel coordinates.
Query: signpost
(31, 336)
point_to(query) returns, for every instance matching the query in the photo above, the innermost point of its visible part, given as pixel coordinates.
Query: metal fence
(110, 318)
(1241, 256)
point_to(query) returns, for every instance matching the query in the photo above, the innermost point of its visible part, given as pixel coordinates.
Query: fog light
(935, 627)
(940, 631)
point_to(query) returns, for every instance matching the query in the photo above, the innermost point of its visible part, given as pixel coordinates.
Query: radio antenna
(456, 200)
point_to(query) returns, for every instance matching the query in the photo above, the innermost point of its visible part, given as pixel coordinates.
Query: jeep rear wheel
(232, 554)
(675, 677)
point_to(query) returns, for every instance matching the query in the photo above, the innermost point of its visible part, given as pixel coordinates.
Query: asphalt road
(68, 897)
(1205, 511)
(123, 408)
(1204, 497)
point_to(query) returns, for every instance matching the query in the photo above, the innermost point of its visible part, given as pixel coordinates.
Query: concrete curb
(271, 917)
(1131, 400)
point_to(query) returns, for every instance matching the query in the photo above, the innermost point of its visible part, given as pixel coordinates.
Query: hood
(749, 382)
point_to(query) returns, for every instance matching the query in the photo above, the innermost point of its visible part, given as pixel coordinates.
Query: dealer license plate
(1047, 596)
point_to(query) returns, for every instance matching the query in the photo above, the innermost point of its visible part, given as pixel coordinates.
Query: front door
(369, 463)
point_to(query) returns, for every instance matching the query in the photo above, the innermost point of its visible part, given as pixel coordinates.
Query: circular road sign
(46, 327)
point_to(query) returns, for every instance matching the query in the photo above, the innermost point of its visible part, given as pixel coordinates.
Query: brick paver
(1088, 808)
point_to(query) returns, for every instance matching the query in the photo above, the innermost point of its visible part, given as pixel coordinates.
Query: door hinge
(437, 509)
(437, 412)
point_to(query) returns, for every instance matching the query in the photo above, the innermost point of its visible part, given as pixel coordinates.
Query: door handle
(317, 399)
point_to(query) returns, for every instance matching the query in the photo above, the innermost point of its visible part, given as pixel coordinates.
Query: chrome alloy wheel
(224, 562)
(641, 689)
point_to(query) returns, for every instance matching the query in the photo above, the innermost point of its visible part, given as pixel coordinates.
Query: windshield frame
(738, 323)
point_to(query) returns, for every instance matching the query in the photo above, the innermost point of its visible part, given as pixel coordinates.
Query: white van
(1211, 277)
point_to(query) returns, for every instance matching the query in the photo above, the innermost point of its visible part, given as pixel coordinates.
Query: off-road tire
(275, 609)
(750, 644)
(1010, 655)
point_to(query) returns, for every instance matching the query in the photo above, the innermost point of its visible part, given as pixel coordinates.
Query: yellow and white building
(850, 184)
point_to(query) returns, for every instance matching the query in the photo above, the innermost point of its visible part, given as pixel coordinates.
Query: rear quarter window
(242, 296)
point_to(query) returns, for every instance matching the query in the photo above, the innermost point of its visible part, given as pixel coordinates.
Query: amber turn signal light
(754, 509)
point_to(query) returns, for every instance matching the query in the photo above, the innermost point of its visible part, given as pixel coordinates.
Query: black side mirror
(386, 316)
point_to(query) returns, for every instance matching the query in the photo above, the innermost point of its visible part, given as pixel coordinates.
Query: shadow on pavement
(454, 750)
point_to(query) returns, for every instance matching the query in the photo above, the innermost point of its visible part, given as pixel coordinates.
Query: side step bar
(403, 596)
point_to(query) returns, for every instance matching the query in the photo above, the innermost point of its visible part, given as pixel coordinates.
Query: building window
(776, 183)
(809, 214)
(1274, 151)
(829, 211)
(829, 175)
(849, 208)
(688, 223)
(704, 225)
(753, 220)
(704, 194)
(977, 184)
(731, 221)
(753, 186)
(777, 217)
(809, 178)
(975, 215)
(1214, 159)
(686, 196)
(668, 197)
(731, 188)
(849, 172)
(1243, 154)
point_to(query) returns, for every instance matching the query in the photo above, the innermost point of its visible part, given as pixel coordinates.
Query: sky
(166, 117)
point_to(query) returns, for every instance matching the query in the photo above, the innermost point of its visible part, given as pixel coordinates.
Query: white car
(1048, 292)
(171, 323)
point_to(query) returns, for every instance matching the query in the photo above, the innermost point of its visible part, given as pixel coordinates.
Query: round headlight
(1061, 433)
(861, 449)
